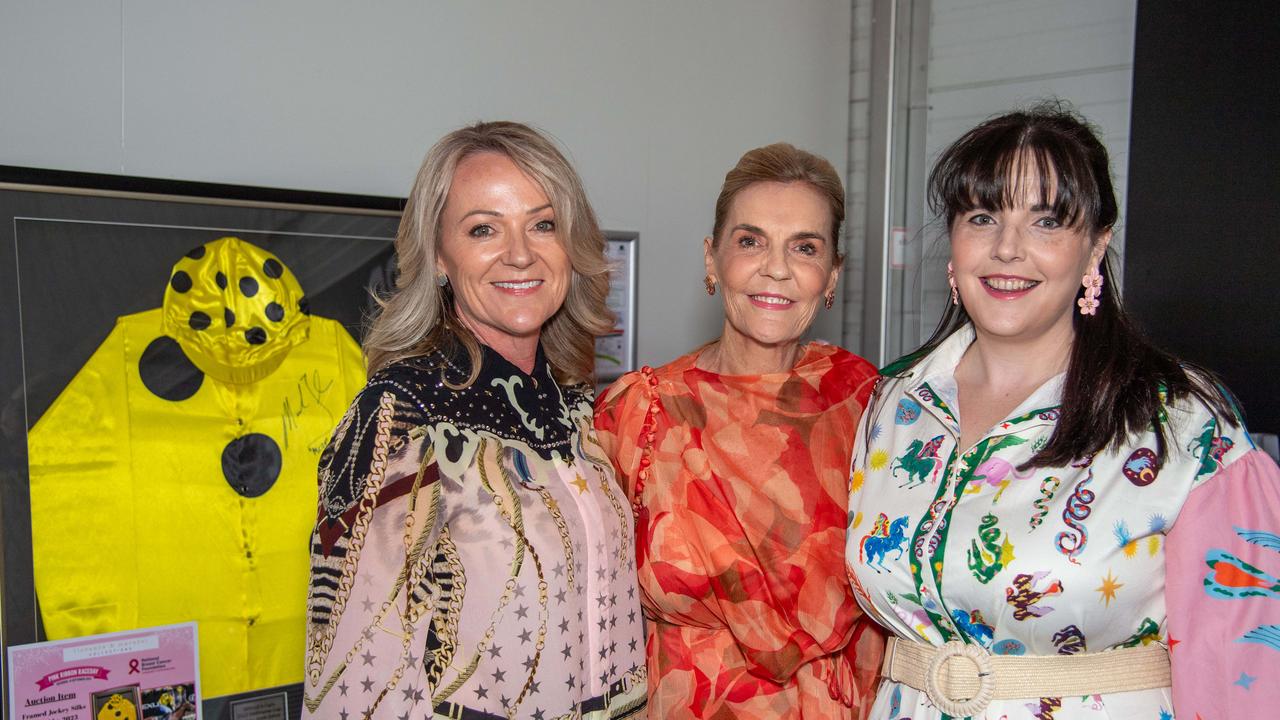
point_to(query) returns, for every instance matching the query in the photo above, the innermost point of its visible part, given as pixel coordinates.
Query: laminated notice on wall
(130, 675)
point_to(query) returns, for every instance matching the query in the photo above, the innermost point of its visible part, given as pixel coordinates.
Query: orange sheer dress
(740, 486)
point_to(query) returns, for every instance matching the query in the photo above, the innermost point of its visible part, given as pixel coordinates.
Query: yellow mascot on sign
(174, 478)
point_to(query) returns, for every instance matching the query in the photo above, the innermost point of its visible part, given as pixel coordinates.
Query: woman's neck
(736, 354)
(1007, 365)
(519, 351)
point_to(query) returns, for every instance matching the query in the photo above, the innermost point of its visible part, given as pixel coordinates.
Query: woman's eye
(1049, 223)
(748, 241)
(480, 231)
(545, 226)
(807, 248)
(982, 219)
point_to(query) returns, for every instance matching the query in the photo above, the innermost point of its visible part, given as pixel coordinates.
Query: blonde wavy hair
(419, 316)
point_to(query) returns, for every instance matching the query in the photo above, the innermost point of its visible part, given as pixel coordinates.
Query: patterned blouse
(950, 543)
(472, 557)
(740, 489)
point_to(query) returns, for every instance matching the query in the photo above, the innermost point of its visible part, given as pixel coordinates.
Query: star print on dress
(466, 520)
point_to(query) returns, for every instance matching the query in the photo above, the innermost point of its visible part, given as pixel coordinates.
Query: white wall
(654, 101)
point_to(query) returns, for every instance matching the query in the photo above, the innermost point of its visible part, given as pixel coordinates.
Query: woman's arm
(1223, 594)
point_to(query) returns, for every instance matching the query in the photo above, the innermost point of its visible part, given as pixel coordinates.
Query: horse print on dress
(919, 461)
(884, 538)
(975, 626)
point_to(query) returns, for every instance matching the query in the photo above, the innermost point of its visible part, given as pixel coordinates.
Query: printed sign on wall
(131, 675)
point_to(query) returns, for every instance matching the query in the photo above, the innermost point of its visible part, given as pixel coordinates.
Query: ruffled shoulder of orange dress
(842, 373)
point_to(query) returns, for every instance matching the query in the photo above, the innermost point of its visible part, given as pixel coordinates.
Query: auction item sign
(130, 675)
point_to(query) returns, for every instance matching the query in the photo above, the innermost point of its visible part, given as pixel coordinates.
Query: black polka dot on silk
(255, 335)
(166, 371)
(272, 268)
(180, 281)
(248, 286)
(304, 306)
(221, 279)
(251, 464)
(275, 312)
(196, 252)
(229, 316)
(199, 320)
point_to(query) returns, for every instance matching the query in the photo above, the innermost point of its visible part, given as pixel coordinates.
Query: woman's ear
(1100, 248)
(709, 256)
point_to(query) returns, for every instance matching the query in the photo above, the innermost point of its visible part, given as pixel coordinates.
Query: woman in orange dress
(736, 458)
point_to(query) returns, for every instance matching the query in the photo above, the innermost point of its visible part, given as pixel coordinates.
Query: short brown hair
(783, 163)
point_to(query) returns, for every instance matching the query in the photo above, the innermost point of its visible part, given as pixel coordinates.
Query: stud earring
(830, 299)
(951, 280)
(710, 284)
(442, 279)
(1092, 283)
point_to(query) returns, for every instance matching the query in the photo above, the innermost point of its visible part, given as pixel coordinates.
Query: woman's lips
(1006, 287)
(518, 287)
(769, 301)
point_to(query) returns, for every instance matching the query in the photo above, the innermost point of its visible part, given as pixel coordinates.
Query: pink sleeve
(1223, 594)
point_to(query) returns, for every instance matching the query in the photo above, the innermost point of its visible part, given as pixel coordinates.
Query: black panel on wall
(1202, 248)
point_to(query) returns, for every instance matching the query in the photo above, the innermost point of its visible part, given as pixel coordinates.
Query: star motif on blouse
(408, 693)
(580, 483)
(505, 701)
(525, 636)
(522, 612)
(495, 652)
(1245, 681)
(482, 692)
(560, 596)
(566, 652)
(342, 714)
(367, 657)
(535, 687)
(537, 714)
(499, 675)
(632, 644)
(1108, 588)
(564, 625)
(367, 604)
(342, 689)
(558, 569)
(367, 684)
(528, 663)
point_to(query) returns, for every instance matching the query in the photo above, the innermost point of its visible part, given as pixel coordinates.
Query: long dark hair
(1115, 376)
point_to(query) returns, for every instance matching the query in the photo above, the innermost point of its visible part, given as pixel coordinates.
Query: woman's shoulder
(842, 371)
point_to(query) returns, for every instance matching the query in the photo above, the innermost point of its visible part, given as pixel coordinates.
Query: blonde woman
(472, 556)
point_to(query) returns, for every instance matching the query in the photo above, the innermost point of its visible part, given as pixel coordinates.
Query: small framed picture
(121, 703)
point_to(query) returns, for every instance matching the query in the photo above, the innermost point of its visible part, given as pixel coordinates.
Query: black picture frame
(123, 222)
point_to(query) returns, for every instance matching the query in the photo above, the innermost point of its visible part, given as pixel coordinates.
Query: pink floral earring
(1092, 283)
(951, 280)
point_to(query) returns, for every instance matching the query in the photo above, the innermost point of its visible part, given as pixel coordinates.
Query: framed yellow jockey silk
(173, 358)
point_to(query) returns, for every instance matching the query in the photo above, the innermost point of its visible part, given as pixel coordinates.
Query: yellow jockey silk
(174, 478)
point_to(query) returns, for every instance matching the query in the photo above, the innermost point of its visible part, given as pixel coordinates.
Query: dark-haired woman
(1048, 512)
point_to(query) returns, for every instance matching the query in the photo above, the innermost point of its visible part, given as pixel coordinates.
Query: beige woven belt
(962, 679)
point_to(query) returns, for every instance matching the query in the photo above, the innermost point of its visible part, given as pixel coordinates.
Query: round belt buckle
(961, 707)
